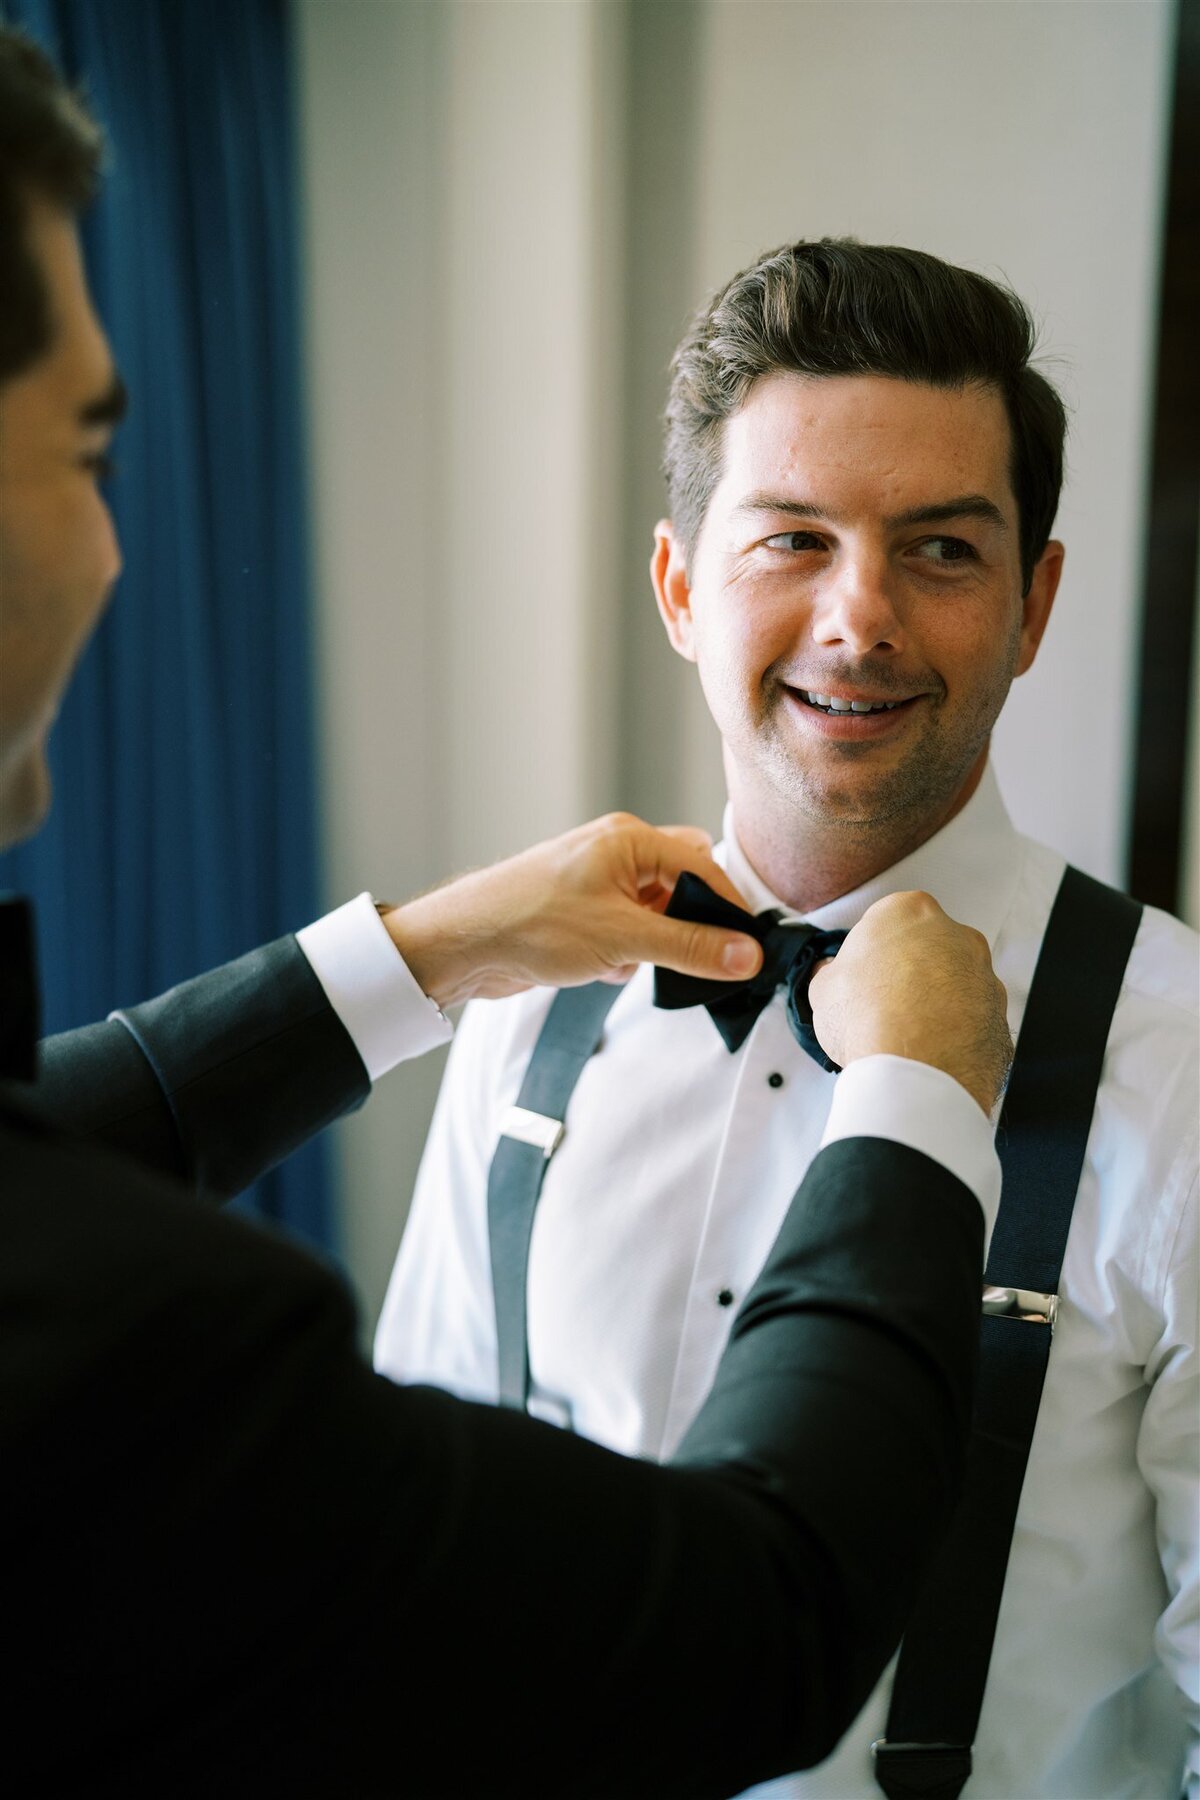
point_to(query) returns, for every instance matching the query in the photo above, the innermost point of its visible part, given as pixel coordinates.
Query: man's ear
(1047, 571)
(668, 572)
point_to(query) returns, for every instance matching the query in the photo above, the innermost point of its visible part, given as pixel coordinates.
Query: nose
(856, 609)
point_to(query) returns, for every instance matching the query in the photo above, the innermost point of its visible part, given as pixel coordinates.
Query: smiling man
(878, 513)
(863, 471)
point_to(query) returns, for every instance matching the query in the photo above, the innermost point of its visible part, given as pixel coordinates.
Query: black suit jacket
(240, 1563)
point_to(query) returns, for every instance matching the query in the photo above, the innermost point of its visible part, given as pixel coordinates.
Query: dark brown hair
(839, 307)
(50, 149)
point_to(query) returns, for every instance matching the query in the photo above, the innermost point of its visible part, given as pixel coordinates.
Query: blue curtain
(183, 825)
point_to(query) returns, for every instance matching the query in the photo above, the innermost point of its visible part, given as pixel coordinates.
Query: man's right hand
(910, 981)
(586, 906)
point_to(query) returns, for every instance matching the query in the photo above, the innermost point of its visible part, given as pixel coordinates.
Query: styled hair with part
(838, 307)
(50, 150)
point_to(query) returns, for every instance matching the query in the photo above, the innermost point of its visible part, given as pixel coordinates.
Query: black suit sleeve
(242, 1564)
(215, 1081)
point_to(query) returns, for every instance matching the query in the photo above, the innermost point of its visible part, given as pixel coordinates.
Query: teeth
(848, 706)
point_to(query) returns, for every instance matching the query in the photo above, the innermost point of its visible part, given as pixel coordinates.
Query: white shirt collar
(971, 867)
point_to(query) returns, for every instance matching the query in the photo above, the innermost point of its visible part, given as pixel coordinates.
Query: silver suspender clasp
(532, 1128)
(1021, 1303)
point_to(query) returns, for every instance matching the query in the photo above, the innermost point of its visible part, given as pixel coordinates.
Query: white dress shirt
(371, 988)
(661, 1204)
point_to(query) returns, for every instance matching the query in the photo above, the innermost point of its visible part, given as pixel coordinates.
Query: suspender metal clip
(532, 1128)
(882, 1747)
(903, 1769)
(1021, 1303)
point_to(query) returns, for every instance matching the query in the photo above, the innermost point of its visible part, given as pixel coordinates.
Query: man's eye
(793, 541)
(945, 550)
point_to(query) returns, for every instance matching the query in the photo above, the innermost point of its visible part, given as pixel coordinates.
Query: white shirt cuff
(371, 988)
(915, 1104)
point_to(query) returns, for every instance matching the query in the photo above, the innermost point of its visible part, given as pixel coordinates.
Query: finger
(675, 848)
(815, 979)
(618, 977)
(702, 950)
(656, 897)
(695, 835)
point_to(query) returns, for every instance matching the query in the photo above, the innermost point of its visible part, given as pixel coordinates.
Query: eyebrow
(108, 408)
(962, 506)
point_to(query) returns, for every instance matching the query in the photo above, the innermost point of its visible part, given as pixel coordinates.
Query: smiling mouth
(839, 708)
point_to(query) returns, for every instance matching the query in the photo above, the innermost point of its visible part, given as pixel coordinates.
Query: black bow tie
(18, 990)
(791, 951)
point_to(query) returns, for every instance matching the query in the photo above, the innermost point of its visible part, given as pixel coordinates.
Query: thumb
(702, 950)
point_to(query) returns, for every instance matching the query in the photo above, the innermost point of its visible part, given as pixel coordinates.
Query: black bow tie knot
(791, 951)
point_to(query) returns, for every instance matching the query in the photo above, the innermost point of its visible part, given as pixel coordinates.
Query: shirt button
(725, 1297)
(775, 1080)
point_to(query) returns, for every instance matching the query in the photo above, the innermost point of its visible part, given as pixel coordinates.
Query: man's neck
(807, 861)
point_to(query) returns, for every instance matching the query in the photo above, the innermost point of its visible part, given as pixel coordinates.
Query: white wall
(461, 289)
(1189, 899)
(511, 207)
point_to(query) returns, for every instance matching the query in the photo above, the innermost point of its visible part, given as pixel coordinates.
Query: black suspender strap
(937, 1695)
(530, 1134)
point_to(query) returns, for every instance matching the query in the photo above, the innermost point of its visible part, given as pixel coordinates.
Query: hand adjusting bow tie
(791, 951)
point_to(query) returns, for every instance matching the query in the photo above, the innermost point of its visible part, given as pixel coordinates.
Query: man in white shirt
(863, 472)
